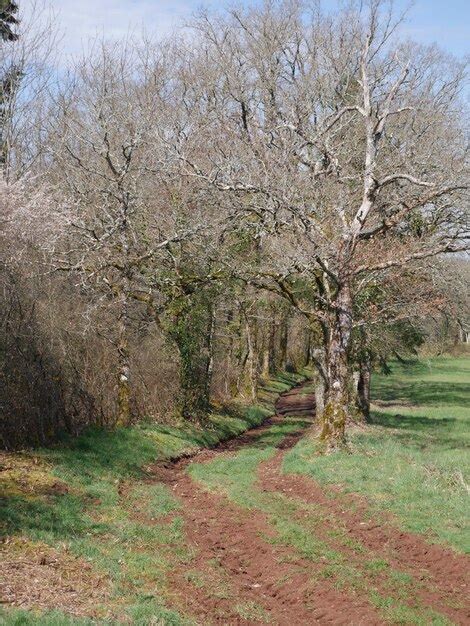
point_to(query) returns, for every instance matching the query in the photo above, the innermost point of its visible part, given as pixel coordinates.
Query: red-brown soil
(442, 575)
(234, 551)
(34, 575)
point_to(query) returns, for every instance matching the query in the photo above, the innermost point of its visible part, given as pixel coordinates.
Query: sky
(446, 22)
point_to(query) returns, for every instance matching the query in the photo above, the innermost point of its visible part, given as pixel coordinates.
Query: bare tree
(27, 72)
(345, 147)
(128, 217)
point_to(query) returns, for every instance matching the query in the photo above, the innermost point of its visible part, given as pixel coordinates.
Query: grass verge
(413, 460)
(87, 499)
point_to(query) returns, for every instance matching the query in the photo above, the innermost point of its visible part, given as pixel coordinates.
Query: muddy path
(440, 576)
(278, 549)
(294, 402)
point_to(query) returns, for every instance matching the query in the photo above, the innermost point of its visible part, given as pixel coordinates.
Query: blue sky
(441, 21)
(444, 22)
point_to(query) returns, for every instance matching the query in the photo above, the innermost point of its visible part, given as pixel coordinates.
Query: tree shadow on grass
(421, 393)
(424, 367)
(59, 517)
(97, 453)
(419, 431)
(412, 422)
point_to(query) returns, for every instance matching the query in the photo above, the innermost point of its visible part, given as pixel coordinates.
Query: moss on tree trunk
(336, 411)
(192, 329)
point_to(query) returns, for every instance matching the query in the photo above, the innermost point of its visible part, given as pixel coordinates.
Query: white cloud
(81, 20)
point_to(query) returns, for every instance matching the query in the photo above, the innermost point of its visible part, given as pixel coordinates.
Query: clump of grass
(155, 500)
(214, 579)
(399, 613)
(19, 617)
(377, 565)
(147, 611)
(251, 611)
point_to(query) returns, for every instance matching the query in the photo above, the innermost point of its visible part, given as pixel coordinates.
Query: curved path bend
(280, 549)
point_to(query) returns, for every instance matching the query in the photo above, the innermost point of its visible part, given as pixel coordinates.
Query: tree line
(269, 188)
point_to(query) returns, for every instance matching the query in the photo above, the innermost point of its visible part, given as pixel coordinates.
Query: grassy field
(414, 460)
(86, 498)
(86, 507)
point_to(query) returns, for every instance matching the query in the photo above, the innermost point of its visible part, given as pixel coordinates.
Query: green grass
(18, 617)
(110, 515)
(252, 612)
(414, 458)
(141, 614)
(312, 533)
(397, 613)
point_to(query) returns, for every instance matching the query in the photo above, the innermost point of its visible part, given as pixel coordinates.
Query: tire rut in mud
(235, 548)
(441, 575)
(259, 575)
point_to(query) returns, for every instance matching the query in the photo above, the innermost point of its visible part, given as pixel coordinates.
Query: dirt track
(240, 563)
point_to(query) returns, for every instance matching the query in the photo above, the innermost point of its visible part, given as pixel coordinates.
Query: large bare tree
(344, 148)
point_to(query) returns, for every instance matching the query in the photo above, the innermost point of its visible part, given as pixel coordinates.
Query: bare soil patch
(35, 576)
(441, 575)
(256, 580)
